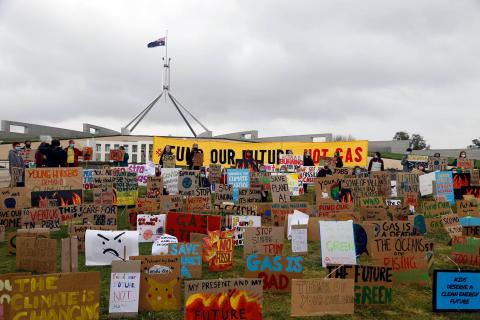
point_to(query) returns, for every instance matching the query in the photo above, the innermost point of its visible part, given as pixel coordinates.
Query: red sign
(181, 224)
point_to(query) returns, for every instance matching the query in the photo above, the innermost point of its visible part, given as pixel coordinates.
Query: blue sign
(238, 178)
(456, 291)
(444, 186)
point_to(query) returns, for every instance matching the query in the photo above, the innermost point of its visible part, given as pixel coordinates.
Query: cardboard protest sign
(13, 236)
(280, 211)
(61, 185)
(433, 211)
(231, 298)
(290, 162)
(238, 178)
(198, 204)
(190, 254)
(426, 183)
(13, 198)
(124, 288)
(104, 246)
(150, 227)
(263, 240)
(378, 185)
(38, 255)
(181, 225)
(99, 214)
(2, 233)
(444, 186)
(456, 291)
(81, 288)
(168, 161)
(319, 297)
(125, 188)
(160, 283)
(238, 224)
(103, 187)
(87, 153)
(452, 225)
(223, 193)
(70, 254)
(471, 190)
(373, 284)
(437, 163)
(170, 179)
(465, 163)
(28, 156)
(236, 209)
(154, 187)
(327, 208)
(373, 214)
(411, 198)
(172, 203)
(11, 218)
(88, 179)
(80, 230)
(327, 187)
(41, 218)
(160, 246)
(471, 231)
(296, 218)
(337, 242)
(407, 182)
(188, 182)
(466, 250)
(249, 196)
(371, 202)
(307, 174)
(6, 292)
(276, 271)
(116, 155)
(214, 173)
(294, 184)
(299, 239)
(218, 250)
(280, 191)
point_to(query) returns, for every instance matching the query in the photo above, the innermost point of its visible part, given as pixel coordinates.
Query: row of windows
(104, 149)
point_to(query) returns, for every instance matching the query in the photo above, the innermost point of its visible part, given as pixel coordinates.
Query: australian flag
(157, 43)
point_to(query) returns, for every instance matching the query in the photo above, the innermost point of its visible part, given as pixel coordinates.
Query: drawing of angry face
(107, 244)
(104, 246)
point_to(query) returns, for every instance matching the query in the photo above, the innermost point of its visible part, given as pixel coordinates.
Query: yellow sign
(353, 153)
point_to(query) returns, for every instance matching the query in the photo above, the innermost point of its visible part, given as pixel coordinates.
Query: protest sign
(471, 231)
(99, 214)
(295, 185)
(116, 155)
(88, 179)
(159, 283)
(276, 271)
(433, 211)
(28, 156)
(13, 198)
(125, 188)
(464, 163)
(223, 193)
(198, 204)
(407, 182)
(337, 242)
(426, 183)
(373, 284)
(154, 187)
(82, 288)
(150, 227)
(172, 203)
(452, 225)
(290, 162)
(437, 163)
(418, 161)
(280, 211)
(307, 174)
(378, 185)
(371, 202)
(103, 187)
(13, 236)
(168, 161)
(39, 255)
(2, 233)
(444, 186)
(466, 250)
(263, 240)
(353, 153)
(188, 182)
(214, 173)
(238, 178)
(41, 218)
(181, 225)
(280, 191)
(373, 214)
(249, 195)
(411, 198)
(299, 239)
(471, 190)
(226, 298)
(124, 288)
(70, 254)
(11, 218)
(104, 246)
(234, 209)
(456, 291)
(327, 187)
(218, 250)
(87, 153)
(170, 179)
(239, 223)
(296, 218)
(61, 185)
(327, 208)
(190, 254)
(319, 297)
(160, 246)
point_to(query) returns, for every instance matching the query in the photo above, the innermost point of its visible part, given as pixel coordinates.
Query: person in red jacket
(376, 163)
(72, 154)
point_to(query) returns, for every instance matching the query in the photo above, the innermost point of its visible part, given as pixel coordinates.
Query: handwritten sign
(239, 223)
(263, 240)
(116, 155)
(218, 250)
(466, 251)
(181, 225)
(124, 288)
(190, 254)
(456, 291)
(299, 239)
(280, 191)
(337, 242)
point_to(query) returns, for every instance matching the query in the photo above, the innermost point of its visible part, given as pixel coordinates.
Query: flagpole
(166, 66)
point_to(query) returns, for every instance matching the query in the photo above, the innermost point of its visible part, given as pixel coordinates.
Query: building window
(107, 148)
(134, 158)
(98, 147)
(107, 156)
(115, 146)
(143, 150)
(98, 156)
(135, 148)
(150, 151)
(125, 146)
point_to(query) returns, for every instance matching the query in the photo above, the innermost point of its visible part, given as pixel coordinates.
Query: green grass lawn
(409, 302)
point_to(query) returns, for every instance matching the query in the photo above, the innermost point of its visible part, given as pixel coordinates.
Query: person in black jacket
(323, 172)
(307, 161)
(166, 151)
(338, 160)
(191, 155)
(56, 156)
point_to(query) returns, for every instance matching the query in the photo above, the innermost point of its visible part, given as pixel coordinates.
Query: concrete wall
(298, 138)
(394, 146)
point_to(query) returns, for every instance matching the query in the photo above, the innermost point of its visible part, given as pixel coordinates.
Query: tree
(475, 144)
(401, 135)
(340, 137)
(419, 142)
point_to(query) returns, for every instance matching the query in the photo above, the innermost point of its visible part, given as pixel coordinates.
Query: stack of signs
(337, 242)
(238, 178)
(181, 225)
(188, 182)
(263, 240)
(223, 193)
(444, 186)
(170, 180)
(239, 223)
(231, 298)
(104, 246)
(290, 162)
(81, 288)
(154, 187)
(214, 173)
(407, 182)
(466, 251)
(319, 297)
(190, 254)
(437, 163)
(150, 227)
(433, 212)
(373, 284)
(103, 188)
(276, 271)
(125, 188)
(39, 255)
(280, 191)
(124, 288)
(54, 186)
(218, 250)
(464, 163)
(159, 283)
(456, 291)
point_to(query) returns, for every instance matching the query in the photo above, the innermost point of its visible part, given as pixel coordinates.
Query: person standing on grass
(16, 165)
(376, 163)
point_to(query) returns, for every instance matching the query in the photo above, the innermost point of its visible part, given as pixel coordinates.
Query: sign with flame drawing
(218, 250)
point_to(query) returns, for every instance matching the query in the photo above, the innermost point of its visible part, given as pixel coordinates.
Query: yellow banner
(353, 153)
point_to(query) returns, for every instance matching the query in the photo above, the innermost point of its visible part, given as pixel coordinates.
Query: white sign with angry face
(104, 246)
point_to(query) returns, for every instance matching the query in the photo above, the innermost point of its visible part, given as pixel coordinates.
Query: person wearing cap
(72, 154)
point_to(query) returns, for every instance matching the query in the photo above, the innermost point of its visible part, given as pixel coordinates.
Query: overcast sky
(365, 68)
